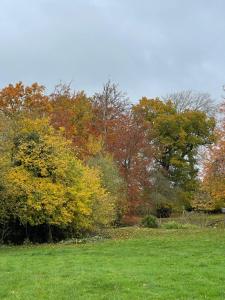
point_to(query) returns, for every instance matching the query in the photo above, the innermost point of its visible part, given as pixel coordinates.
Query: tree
(162, 198)
(133, 154)
(46, 184)
(112, 181)
(109, 105)
(212, 192)
(194, 101)
(16, 100)
(176, 137)
(73, 112)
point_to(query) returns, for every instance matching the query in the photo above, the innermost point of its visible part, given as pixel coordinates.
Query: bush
(150, 222)
(131, 220)
(163, 212)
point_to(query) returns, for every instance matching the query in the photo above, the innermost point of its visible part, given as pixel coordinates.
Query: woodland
(72, 164)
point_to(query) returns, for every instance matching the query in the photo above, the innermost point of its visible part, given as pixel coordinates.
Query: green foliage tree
(112, 182)
(164, 196)
(176, 137)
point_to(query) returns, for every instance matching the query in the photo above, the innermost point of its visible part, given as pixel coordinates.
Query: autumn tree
(45, 184)
(73, 112)
(212, 193)
(133, 154)
(112, 181)
(124, 139)
(17, 100)
(109, 105)
(176, 137)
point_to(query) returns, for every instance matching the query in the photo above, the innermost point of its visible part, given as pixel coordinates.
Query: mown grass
(136, 264)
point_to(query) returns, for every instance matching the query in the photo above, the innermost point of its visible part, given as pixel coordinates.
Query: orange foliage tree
(74, 113)
(30, 100)
(213, 185)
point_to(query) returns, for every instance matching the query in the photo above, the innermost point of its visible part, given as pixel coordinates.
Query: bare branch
(190, 100)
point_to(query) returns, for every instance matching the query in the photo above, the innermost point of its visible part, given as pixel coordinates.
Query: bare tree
(190, 100)
(109, 104)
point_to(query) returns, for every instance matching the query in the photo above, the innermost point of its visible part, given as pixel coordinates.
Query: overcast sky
(150, 48)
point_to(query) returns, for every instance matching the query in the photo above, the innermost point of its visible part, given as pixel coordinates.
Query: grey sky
(149, 47)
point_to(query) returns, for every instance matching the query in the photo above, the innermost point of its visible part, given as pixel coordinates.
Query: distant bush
(150, 222)
(163, 212)
(131, 220)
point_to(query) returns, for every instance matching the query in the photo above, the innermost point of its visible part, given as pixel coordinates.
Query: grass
(199, 219)
(136, 264)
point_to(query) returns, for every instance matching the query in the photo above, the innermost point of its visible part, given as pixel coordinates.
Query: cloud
(150, 47)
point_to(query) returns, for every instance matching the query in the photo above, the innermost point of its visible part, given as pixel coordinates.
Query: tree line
(72, 163)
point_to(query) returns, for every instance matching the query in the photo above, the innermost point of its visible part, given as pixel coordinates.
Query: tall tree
(133, 154)
(212, 193)
(109, 105)
(73, 112)
(176, 137)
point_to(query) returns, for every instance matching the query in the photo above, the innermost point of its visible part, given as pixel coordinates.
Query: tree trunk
(50, 239)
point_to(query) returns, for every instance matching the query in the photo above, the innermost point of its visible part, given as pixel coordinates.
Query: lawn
(150, 264)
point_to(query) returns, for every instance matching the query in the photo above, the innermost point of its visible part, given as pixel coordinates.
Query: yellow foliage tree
(47, 184)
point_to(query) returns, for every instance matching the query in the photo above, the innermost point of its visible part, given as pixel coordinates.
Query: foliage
(176, 137)
(74, 113)
(18, 99)
(71, 163)
(212, 192)
(112, 182)
(150, 222)
(46, 184)
(162, 197)
(133, 154)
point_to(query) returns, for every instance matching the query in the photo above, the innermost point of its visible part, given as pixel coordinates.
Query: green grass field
(145, 264)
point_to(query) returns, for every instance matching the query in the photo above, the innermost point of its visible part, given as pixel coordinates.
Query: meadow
(135, 263)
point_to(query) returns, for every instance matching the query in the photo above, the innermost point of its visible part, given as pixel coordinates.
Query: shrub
(150, 222)
(163, 212)
(131, 220)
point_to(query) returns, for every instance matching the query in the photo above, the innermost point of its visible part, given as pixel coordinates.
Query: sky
(151, 48)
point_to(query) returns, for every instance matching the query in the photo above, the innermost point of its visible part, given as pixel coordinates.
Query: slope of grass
(151, 264)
